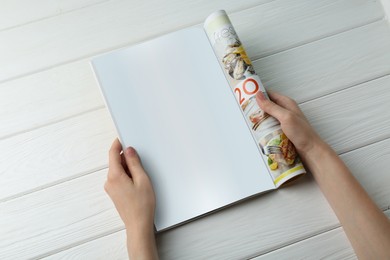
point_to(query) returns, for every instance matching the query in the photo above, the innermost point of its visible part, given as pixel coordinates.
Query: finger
(124, 164)
(270, 107)
(134, 163)
(114, 162)
(285, 102)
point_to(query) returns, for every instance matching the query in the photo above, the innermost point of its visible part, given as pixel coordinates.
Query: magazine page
(278, 153)
(164, 105)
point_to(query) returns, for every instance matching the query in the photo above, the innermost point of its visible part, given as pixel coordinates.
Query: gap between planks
(343, 89)
(53, 122)
(86, 59)
(51, 16)
(385, 211)
(113, 48)
(61, 249)
(117, 230)
(52, 184)
(100, 107)
(89, 56)
(330, 35)
(81, 174)
(366, 145)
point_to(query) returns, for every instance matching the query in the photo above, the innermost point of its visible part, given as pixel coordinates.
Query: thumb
(269, 106)
(133, 163)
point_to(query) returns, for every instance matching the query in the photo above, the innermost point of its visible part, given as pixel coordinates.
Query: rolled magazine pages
(278, 153)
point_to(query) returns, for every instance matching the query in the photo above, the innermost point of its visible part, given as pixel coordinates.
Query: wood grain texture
(48, 220)
(62, 215)
(15, 13)
(47, 97)
(112, 246)
(99, 28)
(254, 227)
(367, 166)
(339, 62)
(333, 244)
(70, 89)
(89, 136)
(54, 134)
(114, 24)
(354, 117)
(55, 153)
(329, 245)
(95, 121)
(282, 25)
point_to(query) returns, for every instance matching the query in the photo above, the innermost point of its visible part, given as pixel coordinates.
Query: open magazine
(186, 102)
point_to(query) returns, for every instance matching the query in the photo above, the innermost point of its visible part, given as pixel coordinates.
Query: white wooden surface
(333, 57)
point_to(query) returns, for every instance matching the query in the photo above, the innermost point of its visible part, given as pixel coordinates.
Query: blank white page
(170, 100)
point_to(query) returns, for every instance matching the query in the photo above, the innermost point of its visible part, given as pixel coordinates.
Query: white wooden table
(332, 56)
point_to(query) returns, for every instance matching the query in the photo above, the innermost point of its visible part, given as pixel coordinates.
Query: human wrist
(323, 163)
(141, 243)
(140, 228)
(316, 154)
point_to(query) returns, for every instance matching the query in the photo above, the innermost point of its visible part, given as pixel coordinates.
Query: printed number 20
(244, 88)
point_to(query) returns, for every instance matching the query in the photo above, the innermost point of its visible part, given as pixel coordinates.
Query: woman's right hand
(293, 122)
(369, 230)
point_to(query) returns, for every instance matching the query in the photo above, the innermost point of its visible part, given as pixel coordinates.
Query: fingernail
(260, 95)
(130, 151)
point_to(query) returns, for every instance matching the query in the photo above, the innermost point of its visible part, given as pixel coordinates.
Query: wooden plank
(366, 165)
(46, 221)
(53, 223)
(52, 154)
(329, 65)
(80, 34)
(353, 117)
(47, 97)
(56, 130)
(282, 25)
(62, 215)
(254, 227)
(70, 89)
(112, 246)
(333, 244)
(15, 13)
(334, 117)
(88, 31)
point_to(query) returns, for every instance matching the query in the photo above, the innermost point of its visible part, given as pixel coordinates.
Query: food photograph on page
(277, 152)
(280, 154)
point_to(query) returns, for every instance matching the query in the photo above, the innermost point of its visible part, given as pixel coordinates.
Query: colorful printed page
(277, 150)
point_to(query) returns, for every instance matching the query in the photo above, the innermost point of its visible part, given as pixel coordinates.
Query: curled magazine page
(277, 151)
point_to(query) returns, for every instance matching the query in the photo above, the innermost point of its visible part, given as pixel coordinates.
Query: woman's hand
(367, 228)
(130, 189)
(293, 122)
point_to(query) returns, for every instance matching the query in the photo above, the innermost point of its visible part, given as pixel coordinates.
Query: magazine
(278, 152)
(186, 102)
